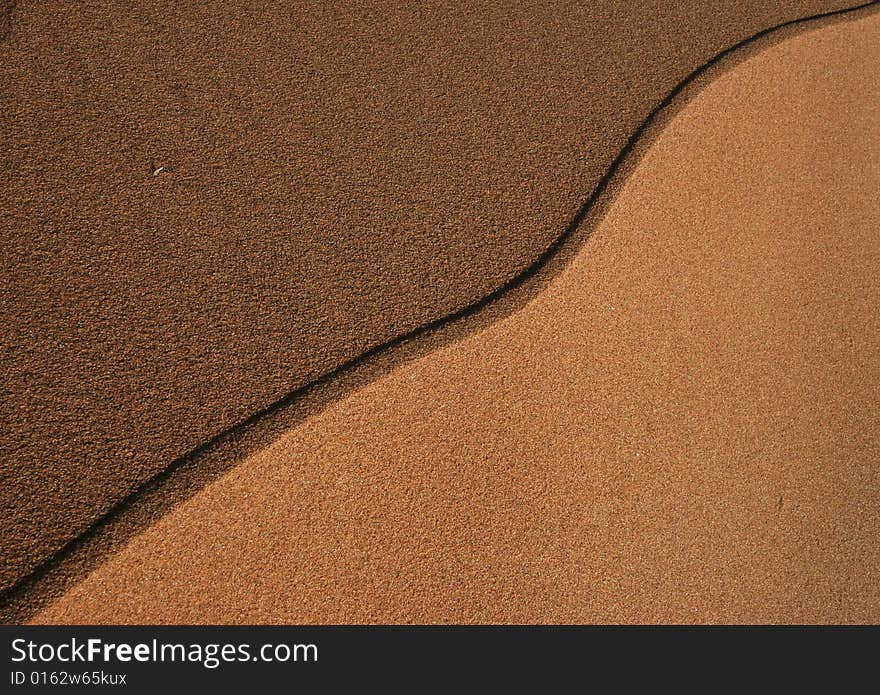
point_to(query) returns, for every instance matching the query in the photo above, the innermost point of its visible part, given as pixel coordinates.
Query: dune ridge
(185, 476)
(121, 284)
(682, 426)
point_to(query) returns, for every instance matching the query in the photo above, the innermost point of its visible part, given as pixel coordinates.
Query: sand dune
(683, 426)
(207, 206)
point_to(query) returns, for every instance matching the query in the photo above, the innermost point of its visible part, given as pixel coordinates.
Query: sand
(682, 426)
(208, 207)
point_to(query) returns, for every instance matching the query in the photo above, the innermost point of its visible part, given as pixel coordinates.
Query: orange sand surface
(683, 426)
(206, 207)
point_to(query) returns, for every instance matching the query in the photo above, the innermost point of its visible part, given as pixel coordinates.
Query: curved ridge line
(20, 587)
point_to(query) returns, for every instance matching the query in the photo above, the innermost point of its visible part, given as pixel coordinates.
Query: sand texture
(206, 206)
(684, 425)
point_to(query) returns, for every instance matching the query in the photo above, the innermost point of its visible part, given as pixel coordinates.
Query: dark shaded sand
(683, 426)
(330, 179)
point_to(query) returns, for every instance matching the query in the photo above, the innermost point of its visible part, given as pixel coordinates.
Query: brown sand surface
(683, 426)
(332, 176)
